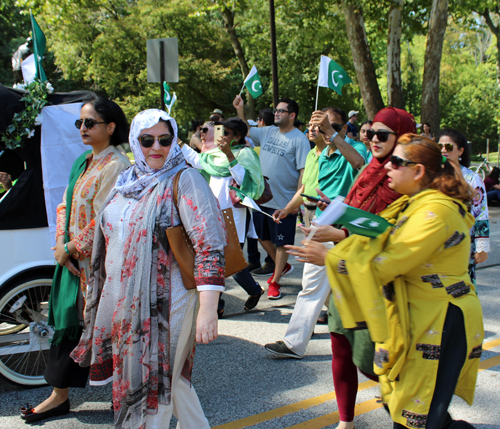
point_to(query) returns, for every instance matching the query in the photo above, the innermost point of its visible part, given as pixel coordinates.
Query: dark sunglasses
(226, 132)
(447, 146)
(336, 127)
(382, 135)
(280, 111)
(147, 141)
(89, 123)
(397, 162)
(204, 130)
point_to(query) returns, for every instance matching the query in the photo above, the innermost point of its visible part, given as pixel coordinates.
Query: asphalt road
(242, 385)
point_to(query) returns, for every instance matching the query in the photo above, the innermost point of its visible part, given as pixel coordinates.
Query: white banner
(61, 144)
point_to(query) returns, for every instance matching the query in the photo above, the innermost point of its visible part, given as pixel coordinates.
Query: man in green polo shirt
(309, 180)
(338, 165)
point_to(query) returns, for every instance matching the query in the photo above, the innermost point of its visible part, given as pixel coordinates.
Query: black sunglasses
(89, 123)
(448, 146)
(280, 111)
(204, 130)
(397, 162)
(336, 127)
(147, 141)
(382, 135)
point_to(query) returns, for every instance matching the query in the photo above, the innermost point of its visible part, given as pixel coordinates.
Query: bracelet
(233, 163)
(346, 232)
(66, 249)
(333, 136)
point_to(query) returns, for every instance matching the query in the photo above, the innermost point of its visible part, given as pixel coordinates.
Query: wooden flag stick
(317, 93)
(242, 88)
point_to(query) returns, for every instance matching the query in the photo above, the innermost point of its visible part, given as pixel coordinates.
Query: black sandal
(253, 300)
(60, 410)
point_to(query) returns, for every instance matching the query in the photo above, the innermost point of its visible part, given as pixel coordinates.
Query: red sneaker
(287, 270)
(274, 291)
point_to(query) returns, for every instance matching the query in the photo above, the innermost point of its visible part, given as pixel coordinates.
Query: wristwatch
(335, 134)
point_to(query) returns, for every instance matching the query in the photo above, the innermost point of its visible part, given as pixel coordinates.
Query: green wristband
(233, 163)
(66, 249)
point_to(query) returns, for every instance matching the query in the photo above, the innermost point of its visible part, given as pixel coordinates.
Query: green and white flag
(355, 220)
(39, 43)
(169, 99)
(253, 83)
(331, 75)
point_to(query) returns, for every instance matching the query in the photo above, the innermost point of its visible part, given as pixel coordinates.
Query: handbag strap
(175, 188)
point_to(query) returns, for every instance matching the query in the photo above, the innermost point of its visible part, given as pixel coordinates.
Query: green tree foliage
(101, 45)
(14, 29)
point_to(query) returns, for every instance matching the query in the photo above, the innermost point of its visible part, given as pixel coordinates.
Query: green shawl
(215, 163)
(63, 307)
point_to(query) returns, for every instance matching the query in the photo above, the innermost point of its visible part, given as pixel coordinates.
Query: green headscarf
(215, 163)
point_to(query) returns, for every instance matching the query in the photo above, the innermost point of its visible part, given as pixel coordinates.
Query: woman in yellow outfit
(411, 287)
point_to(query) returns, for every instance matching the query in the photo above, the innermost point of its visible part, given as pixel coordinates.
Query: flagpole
(317, 92)
(241, 90)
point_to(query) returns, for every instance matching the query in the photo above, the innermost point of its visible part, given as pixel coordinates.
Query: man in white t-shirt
(283, 153)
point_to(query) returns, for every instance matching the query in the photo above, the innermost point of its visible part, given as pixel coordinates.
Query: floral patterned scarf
(136, 180)
(140, 336)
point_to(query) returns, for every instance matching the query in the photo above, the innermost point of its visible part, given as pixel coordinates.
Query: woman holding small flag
(233, 162)
(370, 192)
(411, 288)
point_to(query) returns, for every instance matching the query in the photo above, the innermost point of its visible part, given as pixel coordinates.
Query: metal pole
(274, 59)
(162, 74)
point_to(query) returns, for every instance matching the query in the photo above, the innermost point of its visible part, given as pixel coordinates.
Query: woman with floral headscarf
(139, 316)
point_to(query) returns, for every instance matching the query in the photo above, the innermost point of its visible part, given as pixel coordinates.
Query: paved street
(241, 385)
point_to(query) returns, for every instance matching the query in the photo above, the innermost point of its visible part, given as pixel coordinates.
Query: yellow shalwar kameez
(399, 285)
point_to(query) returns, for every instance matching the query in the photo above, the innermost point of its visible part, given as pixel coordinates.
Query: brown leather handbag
(183, 250)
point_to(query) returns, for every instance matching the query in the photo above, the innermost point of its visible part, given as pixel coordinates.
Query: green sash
(215, 163)
(63, 308)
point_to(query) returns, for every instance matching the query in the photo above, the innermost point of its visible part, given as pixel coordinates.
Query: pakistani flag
(169, 99)
(355, 220)
(331, 75)
(39, 43)
(253, 84)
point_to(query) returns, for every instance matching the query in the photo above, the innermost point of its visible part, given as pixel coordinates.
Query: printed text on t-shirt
(275, 146)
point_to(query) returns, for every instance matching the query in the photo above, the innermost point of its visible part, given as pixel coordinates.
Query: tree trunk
(432, 64)
(495, 29)
(228, 17)
(362, 58)
(394, 86)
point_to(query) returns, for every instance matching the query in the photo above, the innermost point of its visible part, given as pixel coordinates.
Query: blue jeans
(494, 194)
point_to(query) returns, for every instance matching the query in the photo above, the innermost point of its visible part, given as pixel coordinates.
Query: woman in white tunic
(139, 320)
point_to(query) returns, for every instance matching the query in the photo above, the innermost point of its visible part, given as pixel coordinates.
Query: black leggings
(451, 361)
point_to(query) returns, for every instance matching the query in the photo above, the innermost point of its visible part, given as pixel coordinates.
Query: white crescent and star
(359, 221)
(333, 77)
(253, 86)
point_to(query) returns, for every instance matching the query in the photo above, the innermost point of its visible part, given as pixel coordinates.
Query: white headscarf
(136, 180)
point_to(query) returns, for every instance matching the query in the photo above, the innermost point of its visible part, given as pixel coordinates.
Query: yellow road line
(332, 418)
(287, 409)
(318, 400)
(491, 344)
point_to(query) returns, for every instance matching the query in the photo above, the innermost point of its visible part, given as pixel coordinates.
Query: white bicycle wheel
(24, 333)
